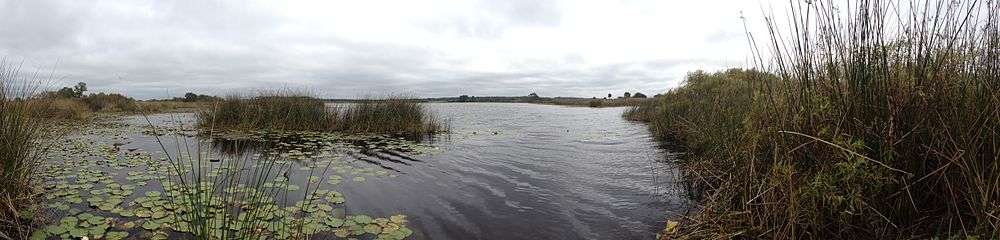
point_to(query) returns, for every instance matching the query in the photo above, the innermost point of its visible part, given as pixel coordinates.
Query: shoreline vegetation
(20, 153)
(869, 121)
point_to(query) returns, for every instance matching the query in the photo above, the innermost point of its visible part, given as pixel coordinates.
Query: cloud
(157, 49)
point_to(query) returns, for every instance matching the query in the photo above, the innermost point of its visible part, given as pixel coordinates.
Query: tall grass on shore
(20, 154)
(872, 119)
(296, 112)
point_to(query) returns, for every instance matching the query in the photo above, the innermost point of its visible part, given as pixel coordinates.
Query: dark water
(521, 171)
(550, 172)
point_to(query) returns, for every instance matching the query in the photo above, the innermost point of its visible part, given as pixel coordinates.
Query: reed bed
(274, 111)
(296, 112)
(392, 115)
(867, 119)
(20, 154)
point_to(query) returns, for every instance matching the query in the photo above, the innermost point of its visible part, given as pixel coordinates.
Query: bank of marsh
(20, 152)
(862, 124)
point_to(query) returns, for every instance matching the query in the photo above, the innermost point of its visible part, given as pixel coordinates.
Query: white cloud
(155, 49)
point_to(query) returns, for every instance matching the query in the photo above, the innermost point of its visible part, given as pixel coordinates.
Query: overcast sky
(346, 49)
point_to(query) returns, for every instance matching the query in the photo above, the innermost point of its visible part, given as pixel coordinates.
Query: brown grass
(872, 120)
(20, 153)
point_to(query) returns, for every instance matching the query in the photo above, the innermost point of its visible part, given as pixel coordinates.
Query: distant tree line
(193, 97)
(95, 101)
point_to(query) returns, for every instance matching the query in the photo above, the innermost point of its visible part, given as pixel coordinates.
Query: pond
(505, 171)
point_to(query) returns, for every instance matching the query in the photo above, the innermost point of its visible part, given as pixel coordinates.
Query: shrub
(113, 102)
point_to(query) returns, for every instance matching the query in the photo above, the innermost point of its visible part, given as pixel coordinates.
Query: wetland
(503, 171)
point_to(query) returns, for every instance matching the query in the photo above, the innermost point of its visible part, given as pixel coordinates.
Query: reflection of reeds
(20, 154)
(876, 120)
(295, 112)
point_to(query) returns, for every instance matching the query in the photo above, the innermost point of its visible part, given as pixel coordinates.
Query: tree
(609, 95)
(639, 95)
(533, 95)
(66, 92)
(190, 97)
(79, 89)
(627, 95)
(463, 98)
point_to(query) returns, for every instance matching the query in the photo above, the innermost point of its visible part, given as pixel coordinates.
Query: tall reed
(871, 119)
(274, 111)
(20, 152)
(291, 112)
(391, 115)
(231, 196)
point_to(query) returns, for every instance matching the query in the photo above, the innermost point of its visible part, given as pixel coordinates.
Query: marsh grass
(61, 108)
(20, 152)
(301, 112)
(871, 119)
(269, 111)
(389, 115)
(231, 199)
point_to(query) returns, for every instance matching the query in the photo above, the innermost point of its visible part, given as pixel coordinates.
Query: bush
(113, 102)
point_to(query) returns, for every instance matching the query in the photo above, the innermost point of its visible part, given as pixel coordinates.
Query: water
(506, 171)
(549, 172)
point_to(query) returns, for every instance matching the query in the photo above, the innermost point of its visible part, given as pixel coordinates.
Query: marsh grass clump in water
(269, 111)
(20, 153)
(298, 112)
(875, 120)
(390, 116)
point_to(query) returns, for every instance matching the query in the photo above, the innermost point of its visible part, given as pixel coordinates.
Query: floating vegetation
(103, 184)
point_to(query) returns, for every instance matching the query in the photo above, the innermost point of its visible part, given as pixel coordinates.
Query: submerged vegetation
(873, 120)
(298, 112)
(20, 153)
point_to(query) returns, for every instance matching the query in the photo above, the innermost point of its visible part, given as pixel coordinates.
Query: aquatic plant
(20, 152)
(270, 110)
(301, 112)
(391, 116)
(868, 119)
(245, 195)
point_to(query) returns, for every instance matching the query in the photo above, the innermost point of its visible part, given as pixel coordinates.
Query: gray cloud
(157, 49)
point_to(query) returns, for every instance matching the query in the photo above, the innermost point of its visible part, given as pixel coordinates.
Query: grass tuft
(20, 154)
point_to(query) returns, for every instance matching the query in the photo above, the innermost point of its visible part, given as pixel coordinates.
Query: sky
(349, 49)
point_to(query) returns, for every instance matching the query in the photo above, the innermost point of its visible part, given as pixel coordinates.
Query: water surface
(505, 171)
(527, 171)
